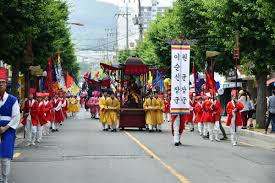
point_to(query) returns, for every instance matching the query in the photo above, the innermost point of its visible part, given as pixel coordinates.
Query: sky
(96, 17)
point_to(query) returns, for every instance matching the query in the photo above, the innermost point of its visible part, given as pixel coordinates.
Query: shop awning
(268, 82)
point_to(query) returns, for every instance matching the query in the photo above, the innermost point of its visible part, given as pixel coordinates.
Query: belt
(5, 118)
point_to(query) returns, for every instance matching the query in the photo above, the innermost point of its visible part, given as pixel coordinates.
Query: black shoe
(205, 137)
(150, 130)
(192, 130)
(177, 144)
(113, 130)
(224, 138)
(53, 130)
(56, 130)
(60, 124)
(160, 130)
(180, 143)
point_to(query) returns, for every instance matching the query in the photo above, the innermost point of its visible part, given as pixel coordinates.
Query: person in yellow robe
(159, 112)
(103, 111)
(113, 106)
(75, 106)
(150, 106)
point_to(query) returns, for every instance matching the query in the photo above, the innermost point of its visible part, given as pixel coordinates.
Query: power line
(93, 48)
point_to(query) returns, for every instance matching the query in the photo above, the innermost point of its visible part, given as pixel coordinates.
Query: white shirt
(59, 105)
(15, 114)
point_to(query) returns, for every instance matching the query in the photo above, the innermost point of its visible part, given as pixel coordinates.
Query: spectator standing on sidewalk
(251, 110)
(271, 112)
(243, 98)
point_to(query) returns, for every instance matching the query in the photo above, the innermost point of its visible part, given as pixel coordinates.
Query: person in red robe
(198, 114)
(189, 118)
(166, 109)
(207, 118)
(57, 110)
(48, 114)
(65, 106)
(41, 116)
(177, 126)
(30, 119)
(234, 119)
(217, 111)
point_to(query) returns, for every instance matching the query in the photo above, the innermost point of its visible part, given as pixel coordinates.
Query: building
(151, 9)
(128, 12)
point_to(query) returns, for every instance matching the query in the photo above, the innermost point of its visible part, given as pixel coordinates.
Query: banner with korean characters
(180, 67)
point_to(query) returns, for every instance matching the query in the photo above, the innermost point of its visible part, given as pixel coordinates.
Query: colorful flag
(69, 80)
(198, 82)
(210, 82)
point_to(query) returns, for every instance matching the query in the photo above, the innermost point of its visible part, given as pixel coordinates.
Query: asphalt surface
(82, 153)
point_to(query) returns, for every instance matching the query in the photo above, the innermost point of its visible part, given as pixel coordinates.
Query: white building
(150, 9)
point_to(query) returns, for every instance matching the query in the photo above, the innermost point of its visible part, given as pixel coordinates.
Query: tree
(124, 54)
(34, 29)
(256, 45)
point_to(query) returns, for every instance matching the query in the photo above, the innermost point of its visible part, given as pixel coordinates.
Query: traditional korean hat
(39, 94)
(198, 97)
(32, 91)
(3, 73)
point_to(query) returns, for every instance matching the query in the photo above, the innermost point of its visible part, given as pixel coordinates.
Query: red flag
(49, 79)
(69, 80)
(210, 82)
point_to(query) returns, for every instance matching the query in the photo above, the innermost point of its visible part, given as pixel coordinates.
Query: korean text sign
(180, 66)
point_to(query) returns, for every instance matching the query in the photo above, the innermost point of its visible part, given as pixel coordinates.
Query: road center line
(244, 143)
(16, 155)
(180, 177)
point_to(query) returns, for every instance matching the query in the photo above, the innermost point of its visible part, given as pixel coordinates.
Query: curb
(253, 134)
(258, 135)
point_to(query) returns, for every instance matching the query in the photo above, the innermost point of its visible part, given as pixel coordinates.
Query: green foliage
(45, 22)
(124, 54)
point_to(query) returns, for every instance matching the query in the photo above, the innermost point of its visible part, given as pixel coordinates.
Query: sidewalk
(253, 132)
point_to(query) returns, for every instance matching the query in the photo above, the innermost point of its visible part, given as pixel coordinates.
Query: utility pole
(236, 56)
(127, 27)
(108, 31)
(140, 22)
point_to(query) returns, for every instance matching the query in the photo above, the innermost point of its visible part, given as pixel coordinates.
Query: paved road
(82, 153)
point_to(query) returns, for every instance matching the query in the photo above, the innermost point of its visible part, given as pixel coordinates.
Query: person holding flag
(177, 126)
(207, 117)
(217, 110)
(234, 119)
(198, 114)
(9, 121)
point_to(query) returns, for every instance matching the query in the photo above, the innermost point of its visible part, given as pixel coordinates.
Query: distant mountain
(96, 17)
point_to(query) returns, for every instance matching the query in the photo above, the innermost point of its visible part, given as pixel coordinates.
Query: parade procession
(137, 91)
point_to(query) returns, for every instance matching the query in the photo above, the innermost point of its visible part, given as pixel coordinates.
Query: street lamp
(76, 23)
